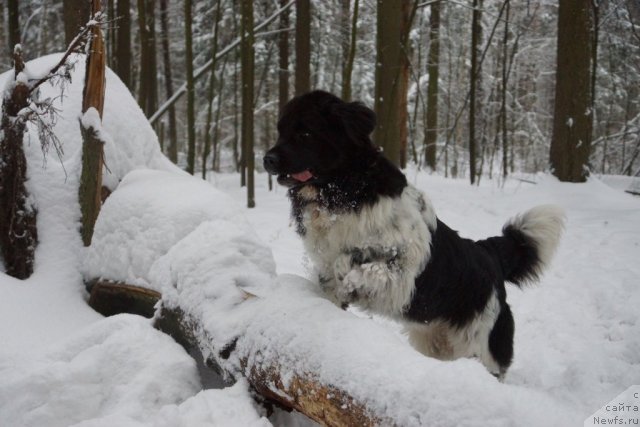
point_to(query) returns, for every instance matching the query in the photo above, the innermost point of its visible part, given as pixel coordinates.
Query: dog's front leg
(365, 273)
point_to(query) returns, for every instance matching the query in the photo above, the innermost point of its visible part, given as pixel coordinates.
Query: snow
(577, 341)
(136, 226)
(119, 365)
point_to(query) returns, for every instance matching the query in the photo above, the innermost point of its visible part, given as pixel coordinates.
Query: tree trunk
(348, 68)
(433, 70)
(148, 90)
(111, 34)
(92, 149)
(503, 101)
(391, 78)
(210, 91)
(573, 118)
(76, 15)
(123, 42)
(191, 119)
(14, 25)
(215, 161)
(247, 69)
(474, 73)
(283, 58)
(168, 81)
(18, 231)
(303, 46)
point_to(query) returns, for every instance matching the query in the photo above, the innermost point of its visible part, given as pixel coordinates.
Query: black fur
(320, 133)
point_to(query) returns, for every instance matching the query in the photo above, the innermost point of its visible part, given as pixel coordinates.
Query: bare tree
(476, 29)
(191, 119)
(433, 70)
(210, 90)
(247, 69)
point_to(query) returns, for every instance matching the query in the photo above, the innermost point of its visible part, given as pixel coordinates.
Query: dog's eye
(305, 135)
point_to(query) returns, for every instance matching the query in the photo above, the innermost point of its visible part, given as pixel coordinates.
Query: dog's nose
(271, 162)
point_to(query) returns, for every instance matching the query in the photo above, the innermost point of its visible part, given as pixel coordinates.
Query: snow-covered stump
(18, 231)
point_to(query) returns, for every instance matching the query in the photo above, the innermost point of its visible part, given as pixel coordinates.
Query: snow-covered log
(303, 392)
(110, 298)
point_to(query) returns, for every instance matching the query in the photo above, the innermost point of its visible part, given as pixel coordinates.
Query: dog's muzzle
(271, 162)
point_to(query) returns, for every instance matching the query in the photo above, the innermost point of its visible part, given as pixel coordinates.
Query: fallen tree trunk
(323, 403)
(109, 298)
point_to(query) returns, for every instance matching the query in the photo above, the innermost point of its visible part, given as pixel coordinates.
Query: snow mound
(149, 214)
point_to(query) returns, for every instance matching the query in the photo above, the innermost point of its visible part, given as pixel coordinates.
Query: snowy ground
(577, 338)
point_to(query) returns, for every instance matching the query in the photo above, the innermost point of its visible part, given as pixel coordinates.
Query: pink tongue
(302, 176)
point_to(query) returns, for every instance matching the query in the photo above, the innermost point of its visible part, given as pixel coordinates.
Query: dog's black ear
(358, 120)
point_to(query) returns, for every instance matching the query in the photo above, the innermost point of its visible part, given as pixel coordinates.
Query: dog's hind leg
(501, 339)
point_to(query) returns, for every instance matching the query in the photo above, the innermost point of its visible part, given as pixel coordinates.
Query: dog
(377, 243)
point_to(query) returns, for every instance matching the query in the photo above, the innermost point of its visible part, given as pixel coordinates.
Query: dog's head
(319, 137)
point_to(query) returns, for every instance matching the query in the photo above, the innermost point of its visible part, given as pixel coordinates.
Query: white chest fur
(396, 228)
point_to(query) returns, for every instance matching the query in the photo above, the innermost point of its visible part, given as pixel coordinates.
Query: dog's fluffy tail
(528, 243)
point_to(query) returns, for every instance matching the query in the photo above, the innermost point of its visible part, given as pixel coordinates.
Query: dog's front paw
(351, 285)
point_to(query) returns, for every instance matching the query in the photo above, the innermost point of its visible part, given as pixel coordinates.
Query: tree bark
(191, 119)
(18, 231)
(247, 70)
(90, 190)
(433, 70)
(303, 46)
(123, 42)
(573, 117)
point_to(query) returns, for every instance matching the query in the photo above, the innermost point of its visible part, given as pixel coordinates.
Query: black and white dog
(377, 243)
